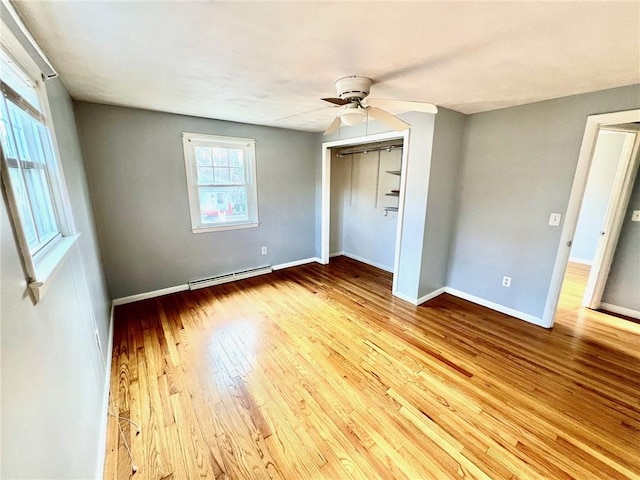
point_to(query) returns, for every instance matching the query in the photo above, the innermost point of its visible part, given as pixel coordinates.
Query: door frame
(325, 228)
(612, 225)
(593, 124)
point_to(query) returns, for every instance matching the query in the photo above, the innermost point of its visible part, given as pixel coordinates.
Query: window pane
(223, 204)
(221, 175)
(41, 205)
(203, 156)
(220, 157)
(237, 175)
(5, 136)
(18, 131)
(23, 207)
(28, 132)
(236, 158)
(205, 176)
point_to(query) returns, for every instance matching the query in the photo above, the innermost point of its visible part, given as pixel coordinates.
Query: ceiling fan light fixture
(351, 116)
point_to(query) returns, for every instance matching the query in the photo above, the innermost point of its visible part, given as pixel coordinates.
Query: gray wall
(359, 227)
(623, 283)
(446, 158)
(518, 166)
(596, 195)
(135, 166)
(53, 377)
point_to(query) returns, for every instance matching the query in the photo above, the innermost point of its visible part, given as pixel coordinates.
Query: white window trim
(40, 269)
(194, 201)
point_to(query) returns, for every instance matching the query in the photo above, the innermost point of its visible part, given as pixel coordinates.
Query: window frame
(39, 266)
(190, 142)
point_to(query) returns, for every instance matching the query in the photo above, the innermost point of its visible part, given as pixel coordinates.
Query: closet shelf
(390, 209)
(394, 172)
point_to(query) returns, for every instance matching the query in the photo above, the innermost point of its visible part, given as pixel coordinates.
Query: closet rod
(367, 150)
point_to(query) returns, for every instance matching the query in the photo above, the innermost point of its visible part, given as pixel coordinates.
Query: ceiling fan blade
(388, 119)
(405, 105)
(336, 101)
(333, 128)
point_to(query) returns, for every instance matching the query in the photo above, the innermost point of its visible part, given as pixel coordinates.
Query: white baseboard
(581, 261)
(496, 306)
(152, 294)
(182, 288)
(620, 310)
(336, 254)
(429, 296)
(364, 260)
(296, 263)
(421, 300)
(406, 298)
(102, 439)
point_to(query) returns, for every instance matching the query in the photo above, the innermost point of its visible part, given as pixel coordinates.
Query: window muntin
(221, 181)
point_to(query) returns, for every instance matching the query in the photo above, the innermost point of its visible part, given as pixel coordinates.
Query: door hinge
(569, 243)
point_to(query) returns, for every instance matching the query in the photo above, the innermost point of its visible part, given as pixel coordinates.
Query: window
(221, 180)
(31, 175)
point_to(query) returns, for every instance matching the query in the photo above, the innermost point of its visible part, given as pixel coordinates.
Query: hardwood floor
(318, 372)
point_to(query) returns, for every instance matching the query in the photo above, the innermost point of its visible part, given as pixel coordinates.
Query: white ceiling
(257, 62)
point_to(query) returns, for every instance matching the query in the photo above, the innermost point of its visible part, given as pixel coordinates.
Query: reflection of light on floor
(570, 304)
(232, 346)
(583, 322)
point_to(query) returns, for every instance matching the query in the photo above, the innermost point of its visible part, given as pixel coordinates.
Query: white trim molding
(422, 299)
(497, 307)
(406, 298)
(102, 438)
(296, 263)
(431, 295)
(627, 312)
(364, 260)
(477, 300)
(152, 294)
(25, 31)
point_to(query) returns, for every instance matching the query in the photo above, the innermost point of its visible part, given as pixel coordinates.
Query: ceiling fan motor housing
(353, 87)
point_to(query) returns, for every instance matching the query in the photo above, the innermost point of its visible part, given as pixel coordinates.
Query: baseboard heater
(230, 277)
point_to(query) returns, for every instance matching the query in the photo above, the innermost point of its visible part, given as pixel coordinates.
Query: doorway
(327, 152)
(586, 275)
(597, 213)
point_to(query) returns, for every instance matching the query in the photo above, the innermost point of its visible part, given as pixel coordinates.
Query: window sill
(234, 226)
(49, 266)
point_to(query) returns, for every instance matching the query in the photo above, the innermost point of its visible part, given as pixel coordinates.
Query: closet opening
(365, 195)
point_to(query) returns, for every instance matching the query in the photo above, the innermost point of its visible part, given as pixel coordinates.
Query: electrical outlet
(264, 250)
(635, 216)
(506, 281)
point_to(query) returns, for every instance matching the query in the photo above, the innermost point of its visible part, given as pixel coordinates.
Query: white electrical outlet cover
(635, 216)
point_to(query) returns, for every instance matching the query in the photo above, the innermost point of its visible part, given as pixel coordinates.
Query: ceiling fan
(353, 92)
